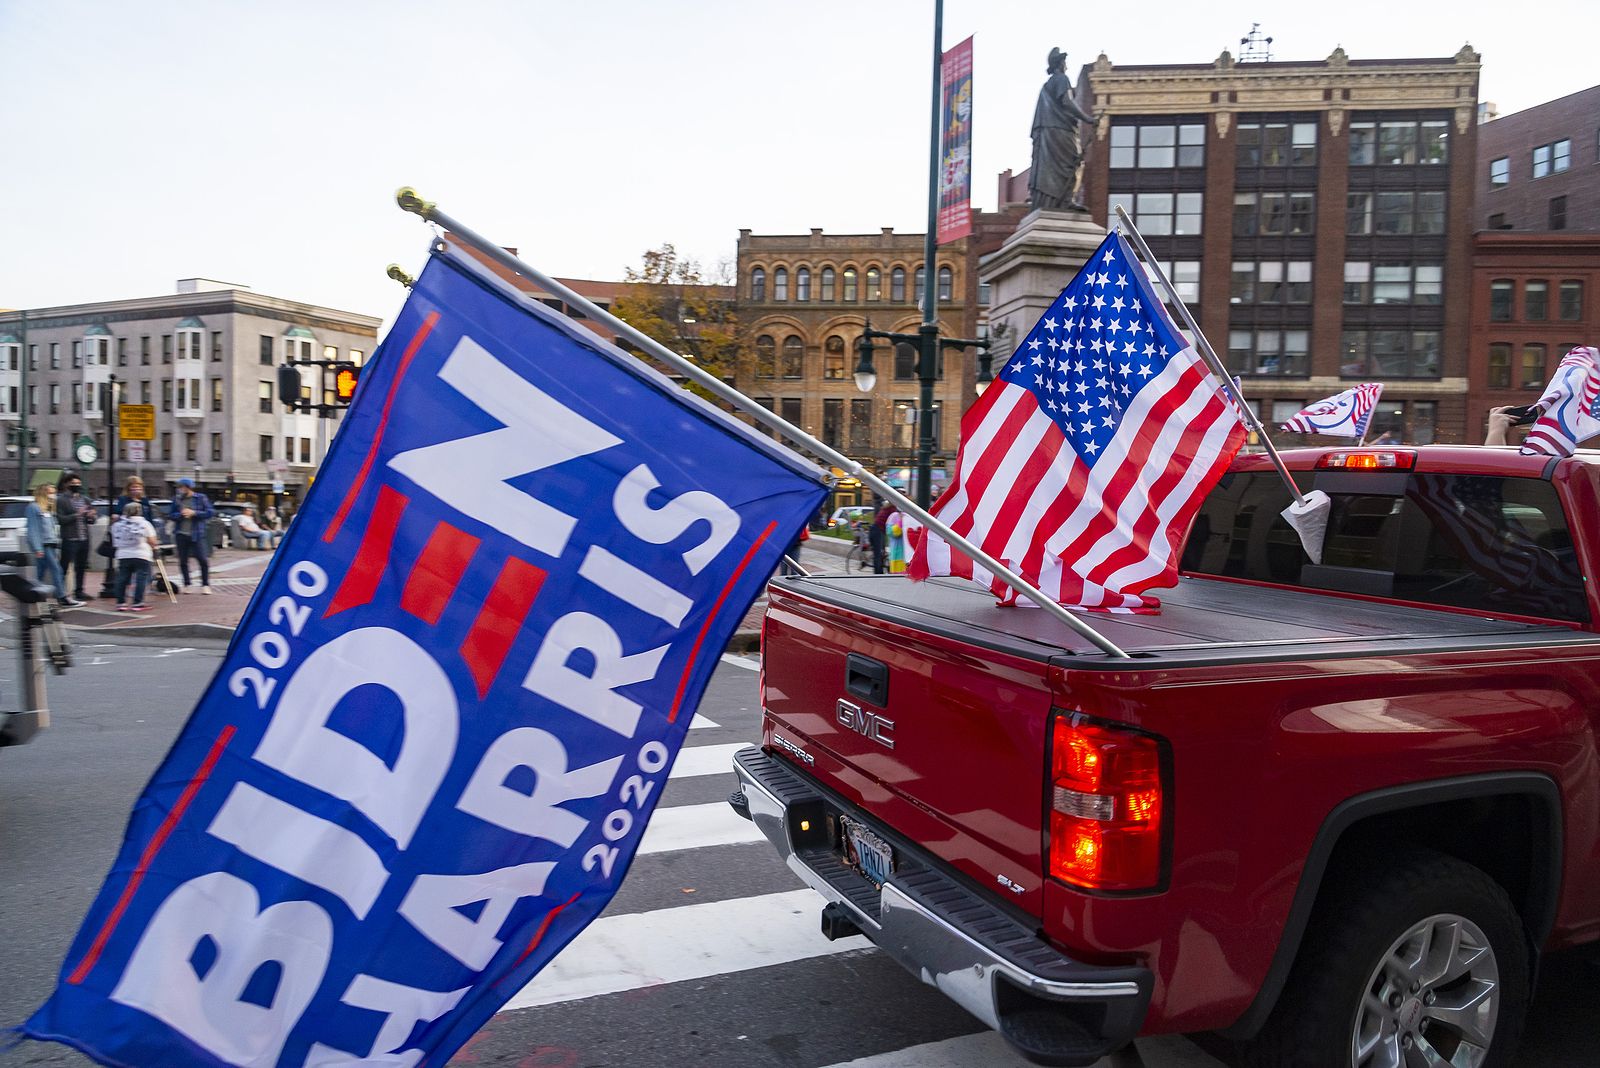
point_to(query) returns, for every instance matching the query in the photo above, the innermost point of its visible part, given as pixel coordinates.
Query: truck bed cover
(1202, 622)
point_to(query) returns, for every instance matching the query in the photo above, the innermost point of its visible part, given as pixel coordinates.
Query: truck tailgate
(945, 749)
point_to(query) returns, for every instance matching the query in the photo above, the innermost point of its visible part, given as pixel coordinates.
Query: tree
(669, 299)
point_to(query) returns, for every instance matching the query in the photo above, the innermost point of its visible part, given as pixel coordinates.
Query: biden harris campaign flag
(431, 750)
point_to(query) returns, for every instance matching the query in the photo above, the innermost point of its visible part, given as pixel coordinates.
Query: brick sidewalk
(234, 575)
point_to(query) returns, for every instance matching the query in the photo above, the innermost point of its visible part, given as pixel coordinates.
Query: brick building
(803, 300)
(1317, 216)
(1539, 169)
(206, 357)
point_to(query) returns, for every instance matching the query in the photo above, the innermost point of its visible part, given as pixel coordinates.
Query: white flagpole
(410, 200)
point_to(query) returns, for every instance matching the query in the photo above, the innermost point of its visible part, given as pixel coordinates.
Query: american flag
(1571, 404)
(1343, 415)
(1082, 465)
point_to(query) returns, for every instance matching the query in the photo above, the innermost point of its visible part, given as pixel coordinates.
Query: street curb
(218, 631)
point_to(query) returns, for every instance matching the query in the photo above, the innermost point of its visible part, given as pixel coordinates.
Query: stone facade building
(803, 300)
(1317, 216)
(206, 357)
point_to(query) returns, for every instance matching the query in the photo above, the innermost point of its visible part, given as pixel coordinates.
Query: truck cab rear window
(1493, 544)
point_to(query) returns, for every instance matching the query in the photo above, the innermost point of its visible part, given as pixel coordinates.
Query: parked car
(14, 523)
(850, 514)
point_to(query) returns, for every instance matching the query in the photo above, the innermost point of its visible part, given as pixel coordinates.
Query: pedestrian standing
(190, 513)
(76, 518)
(132, 493)
(878, 537)
(133, 540)
(44, 541)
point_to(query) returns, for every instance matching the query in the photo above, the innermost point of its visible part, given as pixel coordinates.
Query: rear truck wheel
(1420, 962)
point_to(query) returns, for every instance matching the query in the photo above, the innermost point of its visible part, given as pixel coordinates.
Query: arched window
(874, 284)
(766, 357)
(780, 284)
(827, 283)
(802, 284)
(758, 284)
(850, 284)
(833, 358)
(794, 352)
(897, 285)
(918, 283)
(945, 279)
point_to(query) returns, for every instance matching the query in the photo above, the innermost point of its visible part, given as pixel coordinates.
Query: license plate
(871, 854)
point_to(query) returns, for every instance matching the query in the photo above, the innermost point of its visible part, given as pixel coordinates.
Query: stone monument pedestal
(1031, 269)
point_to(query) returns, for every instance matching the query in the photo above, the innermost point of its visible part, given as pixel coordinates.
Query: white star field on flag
(1092, 352)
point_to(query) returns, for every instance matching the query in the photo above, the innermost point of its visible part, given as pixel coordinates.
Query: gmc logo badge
(867, 724)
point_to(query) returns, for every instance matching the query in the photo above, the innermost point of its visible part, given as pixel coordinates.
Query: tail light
(1367, 461)
(1105, 806)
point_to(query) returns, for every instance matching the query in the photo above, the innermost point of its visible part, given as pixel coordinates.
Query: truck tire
(1403, 957)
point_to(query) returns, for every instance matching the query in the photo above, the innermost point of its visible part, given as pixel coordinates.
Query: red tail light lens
(1105, 806)
(1368, 461)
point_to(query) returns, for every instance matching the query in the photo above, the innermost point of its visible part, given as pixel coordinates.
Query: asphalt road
(709, 955)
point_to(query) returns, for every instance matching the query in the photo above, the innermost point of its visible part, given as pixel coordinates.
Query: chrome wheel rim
(1432, 1000)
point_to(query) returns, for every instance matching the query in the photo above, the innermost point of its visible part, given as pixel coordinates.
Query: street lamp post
(22, 442)
(926, 340)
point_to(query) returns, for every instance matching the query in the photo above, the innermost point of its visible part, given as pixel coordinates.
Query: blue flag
(431, 750)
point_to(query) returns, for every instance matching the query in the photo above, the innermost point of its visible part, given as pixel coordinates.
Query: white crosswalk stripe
(695, 827)
(705, 760)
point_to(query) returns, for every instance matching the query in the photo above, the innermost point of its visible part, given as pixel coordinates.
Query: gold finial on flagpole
(399, 274)
(410, 200)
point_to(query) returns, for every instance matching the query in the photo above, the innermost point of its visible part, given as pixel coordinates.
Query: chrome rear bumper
(1055, 1010)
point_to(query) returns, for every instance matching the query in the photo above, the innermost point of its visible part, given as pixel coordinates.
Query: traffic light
(345, 376)
(289, 386)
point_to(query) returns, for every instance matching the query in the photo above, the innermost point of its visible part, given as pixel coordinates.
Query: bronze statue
(1057, 151)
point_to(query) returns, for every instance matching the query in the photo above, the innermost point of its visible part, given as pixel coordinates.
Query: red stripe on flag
(694, 651)
(538, 936)
(366, 570)
(438, 572)
(350, 496)
(148, 857)
(988, 462)
(500, 620)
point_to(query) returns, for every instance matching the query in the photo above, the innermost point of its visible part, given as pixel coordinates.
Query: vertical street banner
(955, 145)
(429, 754)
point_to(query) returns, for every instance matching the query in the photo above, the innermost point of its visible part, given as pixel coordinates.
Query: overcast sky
(261, 142)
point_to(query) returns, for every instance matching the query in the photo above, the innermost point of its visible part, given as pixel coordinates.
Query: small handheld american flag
(1343, 415)
(1571, 404)
(1083, 465)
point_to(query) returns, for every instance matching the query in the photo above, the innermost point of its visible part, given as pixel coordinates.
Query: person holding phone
(1503, 418)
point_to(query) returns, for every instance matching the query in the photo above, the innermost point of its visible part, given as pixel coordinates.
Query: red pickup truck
(1335, 811)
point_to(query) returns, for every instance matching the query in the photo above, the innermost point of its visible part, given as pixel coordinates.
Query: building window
(1158, 146)
(1277, 144)
(904, 429)
(827, 283)
(833, 360)
(946, 280)
(1271, 213)
(144, 391)
(122, 352)
(758, 285)
(802, 284)
(1268, 352)
(780, 284)
(55, 356)
(1272, 282)
(216, 447)
(265, 397)
(55, 450)
(77, 353)
(905, 361)
(33, 400)
(166, 394)
(1500, 296)
(985, 294)
(832, 421)
(1500, 171)
(874, 284)
(1184, 276)
(861, 423)
(1499, 366)
(190, 447)
(766, 357)
(1536, 300)
(33, 357)
(266, 447)
(1401, 353)
(850, 290)
(919, 280)
(1571, 306)
(789, 409)
(55, 398)
(1363, 144)
(1160, 214)
(305, 450)
(288, 448)
(794, 351)
(216, 394)
(166, 348)
(1552, 158)
(1558, 213)
(1393, 283)
(1532, 367)
(77, 398)
(266, 350)
(216, 346)
(897, 285)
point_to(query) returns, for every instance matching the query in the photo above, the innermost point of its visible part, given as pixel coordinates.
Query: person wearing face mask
(76, 518)
(190, 512)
